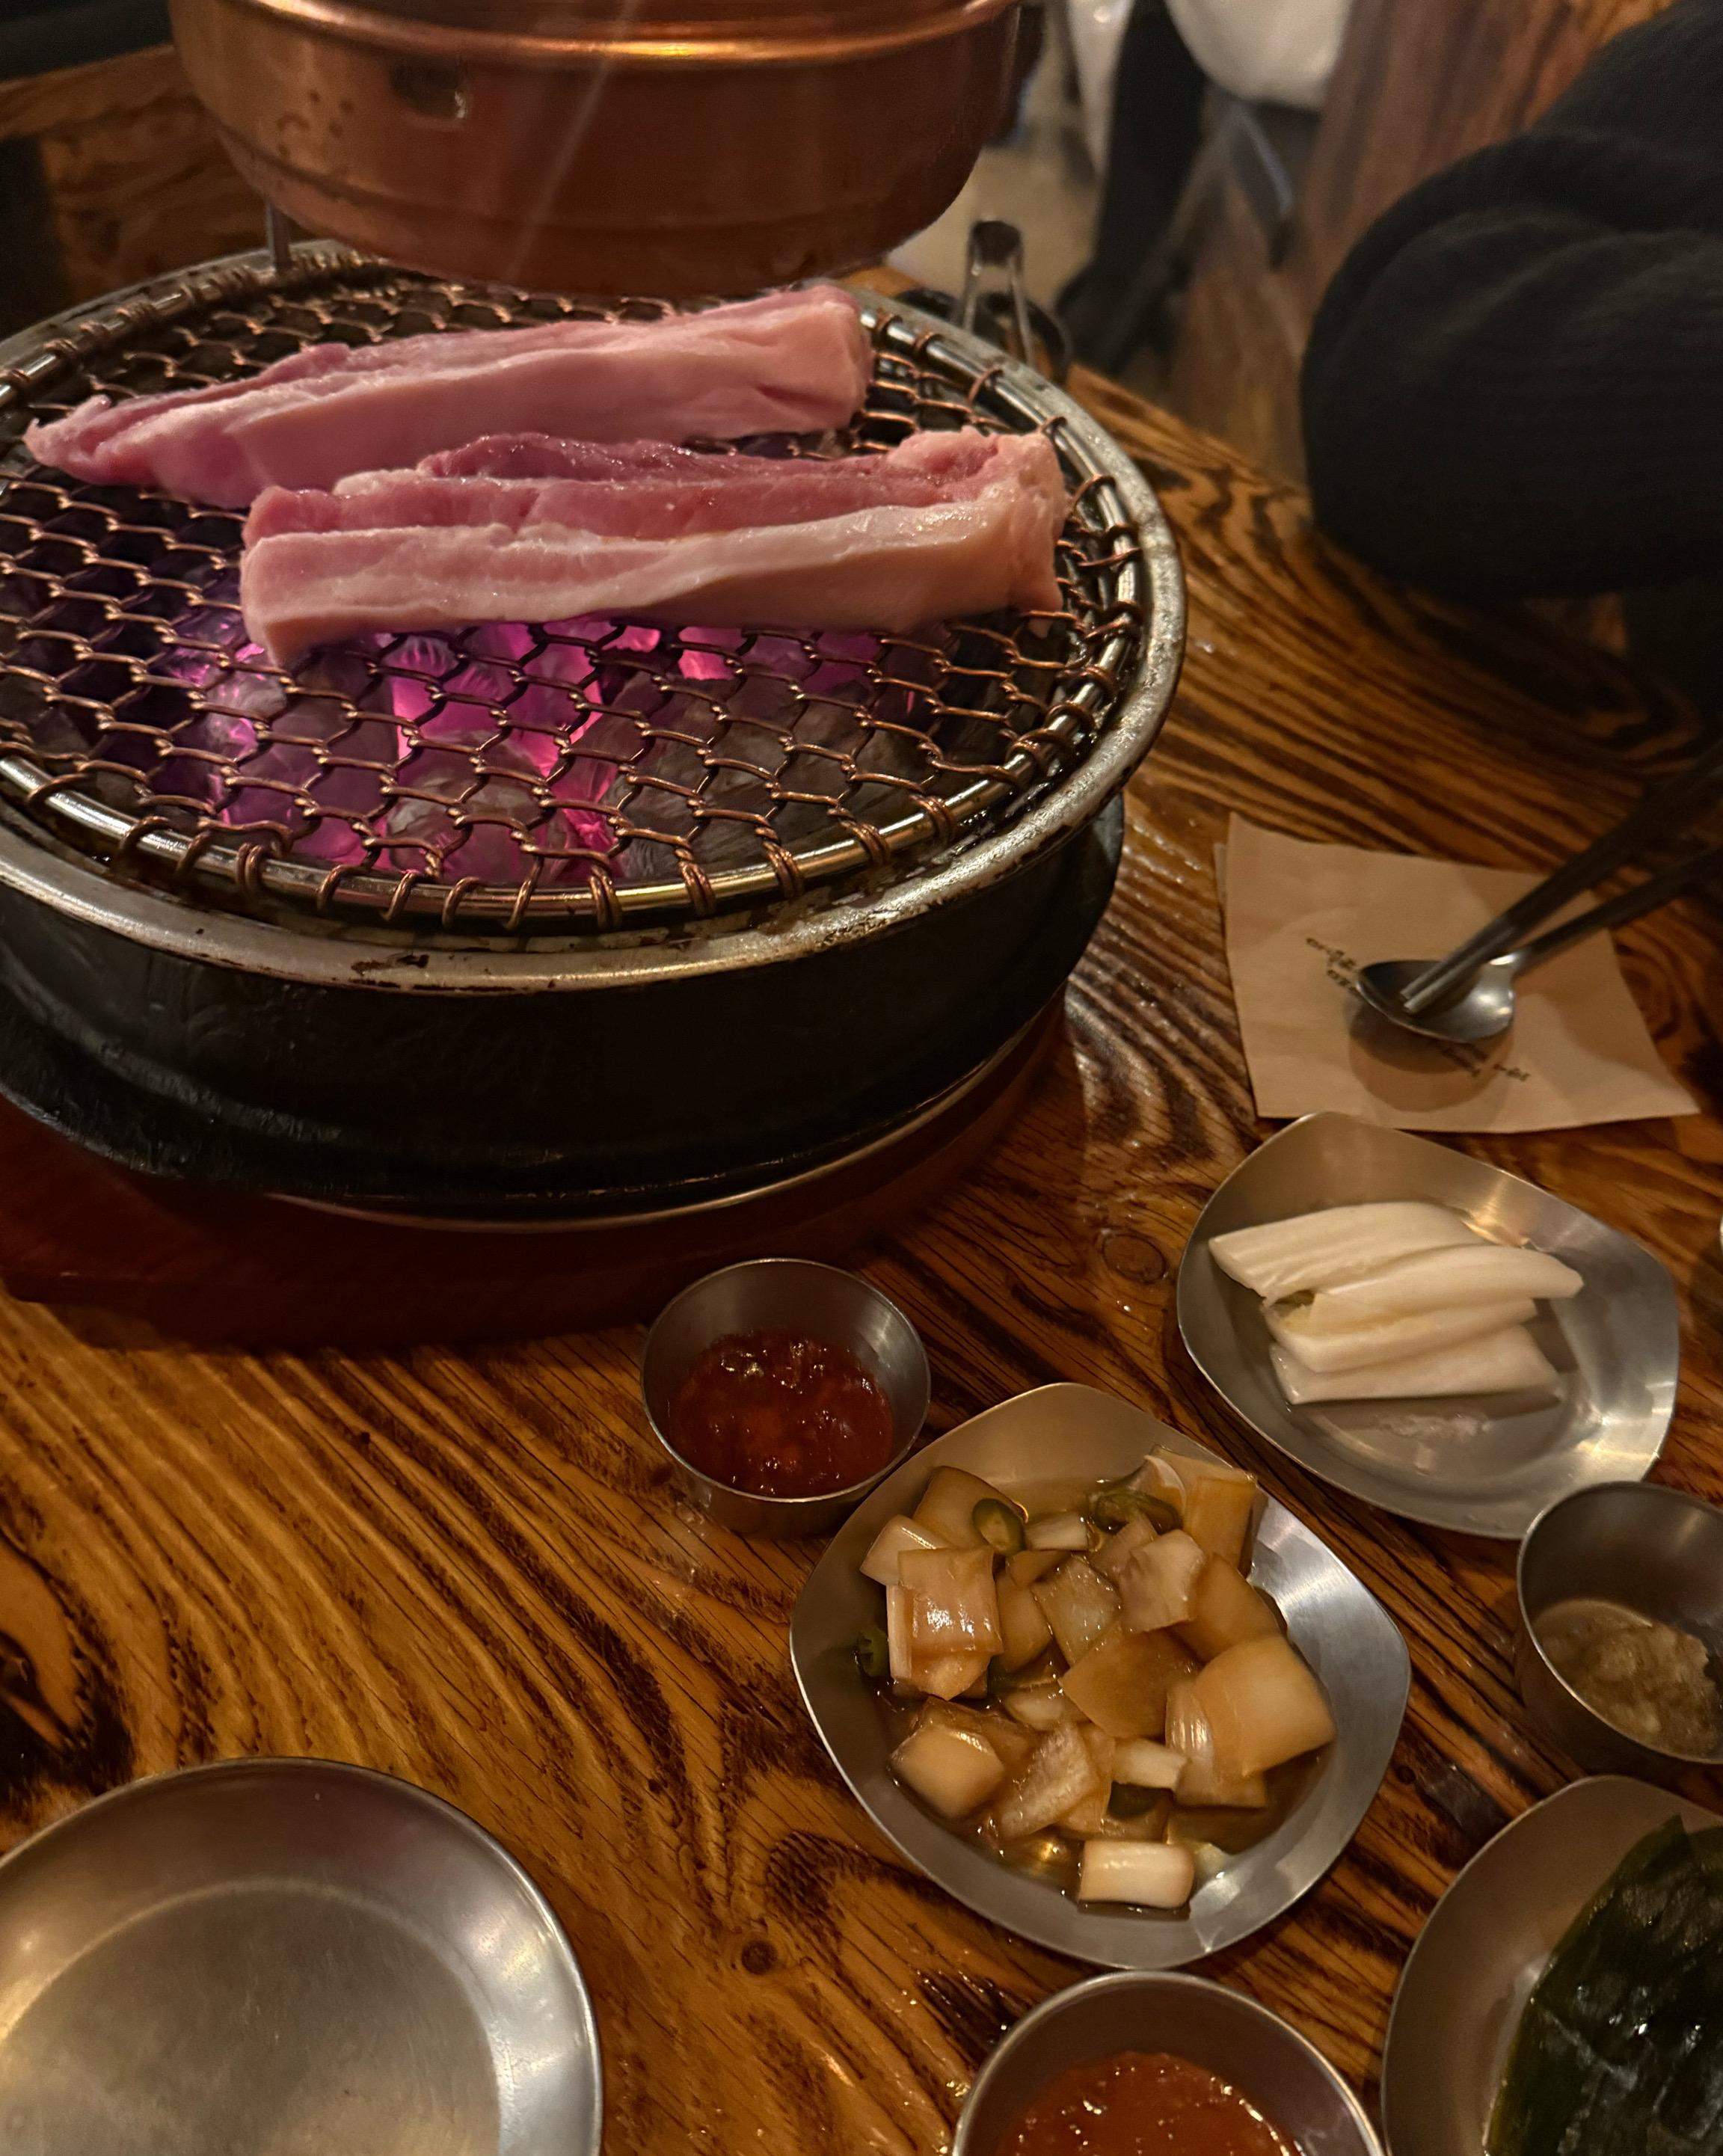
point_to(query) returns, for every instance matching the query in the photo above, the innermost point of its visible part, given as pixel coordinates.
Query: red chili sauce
(781, 1415)
(1142, 2104)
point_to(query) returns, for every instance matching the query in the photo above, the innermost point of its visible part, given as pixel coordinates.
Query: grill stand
(227, 1267)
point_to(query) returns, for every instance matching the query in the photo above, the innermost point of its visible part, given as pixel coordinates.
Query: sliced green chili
(1119, 1503)
(999, 1525)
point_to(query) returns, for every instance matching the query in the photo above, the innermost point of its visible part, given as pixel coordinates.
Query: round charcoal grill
(583, 916)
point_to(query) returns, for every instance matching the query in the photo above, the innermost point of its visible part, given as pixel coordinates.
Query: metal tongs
(995, 303)
(1469, 995)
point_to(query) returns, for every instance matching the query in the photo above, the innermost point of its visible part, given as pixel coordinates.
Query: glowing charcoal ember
(491, 784)
(515, 754)
(276, 760)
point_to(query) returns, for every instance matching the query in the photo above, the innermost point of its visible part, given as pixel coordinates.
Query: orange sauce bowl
(1255, 2051)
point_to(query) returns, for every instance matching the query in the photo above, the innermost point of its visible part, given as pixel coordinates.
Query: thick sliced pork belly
(885, 569)
(652, 491)
(944, 525)
(794, 362)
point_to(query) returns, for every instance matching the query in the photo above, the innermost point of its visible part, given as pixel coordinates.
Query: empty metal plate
(1487, 1465)
(1336, 1624)
(285, 1958)
(1468, 1977)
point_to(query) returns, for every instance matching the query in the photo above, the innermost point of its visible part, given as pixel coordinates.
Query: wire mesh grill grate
(512, 777)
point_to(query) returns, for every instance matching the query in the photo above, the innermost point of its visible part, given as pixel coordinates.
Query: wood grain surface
(468, 1568)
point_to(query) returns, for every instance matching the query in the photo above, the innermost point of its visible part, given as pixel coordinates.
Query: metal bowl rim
(269, 1765)
(853, 1492)
(658, 50)
(1661, 1493)
(1150, 1981)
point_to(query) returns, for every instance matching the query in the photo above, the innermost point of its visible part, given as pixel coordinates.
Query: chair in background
(1418, 85)
(1236, 146)
(110, 172)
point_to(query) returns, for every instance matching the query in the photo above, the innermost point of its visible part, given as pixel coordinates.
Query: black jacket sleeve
(1513, 387)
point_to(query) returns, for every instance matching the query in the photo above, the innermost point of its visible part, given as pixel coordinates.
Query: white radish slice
(1509, 1361)
(1264, 1705)
(1342, 1242)
(1442, 1280)
(1396, 1338)
(1156, 1874)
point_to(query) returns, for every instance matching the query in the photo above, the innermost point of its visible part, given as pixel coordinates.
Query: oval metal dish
(289, 1954)
(1337, 1624)
(1476, 1960)
(1484, 1466)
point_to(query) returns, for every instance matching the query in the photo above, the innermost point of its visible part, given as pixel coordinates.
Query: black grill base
(494, 1107)
(222, 1267)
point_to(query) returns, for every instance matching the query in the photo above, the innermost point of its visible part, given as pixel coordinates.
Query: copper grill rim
(1106, 716)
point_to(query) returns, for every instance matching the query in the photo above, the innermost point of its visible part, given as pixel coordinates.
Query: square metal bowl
(1338, 1626)
(1487, 1465)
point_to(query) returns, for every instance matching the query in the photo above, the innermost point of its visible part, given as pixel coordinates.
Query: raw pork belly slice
(946, 524)
(652, 491)
(794, 362)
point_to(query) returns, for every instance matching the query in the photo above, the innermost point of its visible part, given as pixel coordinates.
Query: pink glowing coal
(512, 752)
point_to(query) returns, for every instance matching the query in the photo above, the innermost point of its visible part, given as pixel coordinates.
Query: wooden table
(470, 1568)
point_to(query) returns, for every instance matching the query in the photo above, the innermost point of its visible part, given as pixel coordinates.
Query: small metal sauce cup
(823, 1303)
(1254, 2051)
(1658, 1552)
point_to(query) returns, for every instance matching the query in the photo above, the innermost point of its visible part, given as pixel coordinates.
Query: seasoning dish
(1483, 1465)
(1472, 1968)
(1336, 1624)
(1286, 2078)
(286, 1953)
(1655, 1551)
(791, 1295)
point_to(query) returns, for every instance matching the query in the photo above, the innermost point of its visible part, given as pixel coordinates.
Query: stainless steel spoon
(1479, 1006)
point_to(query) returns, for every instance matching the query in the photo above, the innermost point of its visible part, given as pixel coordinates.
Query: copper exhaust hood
(670, 147)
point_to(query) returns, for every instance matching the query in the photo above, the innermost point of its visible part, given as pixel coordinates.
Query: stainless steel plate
(1468, 1977)
(1337, 1624)
(1488, 1466)
(285, 1958)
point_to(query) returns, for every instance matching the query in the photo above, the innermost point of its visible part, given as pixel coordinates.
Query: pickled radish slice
(1343, 1243)
(1395, 1338)
(1442, 1280)
(1509, 1361)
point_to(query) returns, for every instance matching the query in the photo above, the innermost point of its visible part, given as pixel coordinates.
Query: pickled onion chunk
(1155, 1875)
